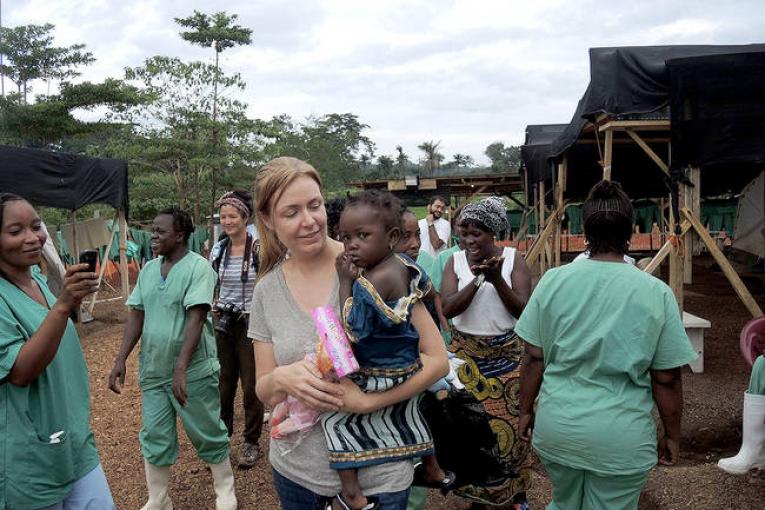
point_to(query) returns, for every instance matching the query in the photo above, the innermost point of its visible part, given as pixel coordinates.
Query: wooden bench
(694, 328)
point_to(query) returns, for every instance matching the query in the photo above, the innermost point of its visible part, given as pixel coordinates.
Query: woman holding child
(291, 219)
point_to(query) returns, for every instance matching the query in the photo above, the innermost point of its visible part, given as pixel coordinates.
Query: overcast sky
(466, 73)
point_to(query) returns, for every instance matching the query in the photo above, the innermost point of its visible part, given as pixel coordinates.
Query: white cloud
(467, 72)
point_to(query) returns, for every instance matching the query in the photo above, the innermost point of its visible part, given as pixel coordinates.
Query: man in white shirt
(435, 230)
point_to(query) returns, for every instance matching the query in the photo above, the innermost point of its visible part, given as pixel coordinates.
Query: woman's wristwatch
(479, 280)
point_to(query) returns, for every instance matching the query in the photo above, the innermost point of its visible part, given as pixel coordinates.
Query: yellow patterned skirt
(492, 375)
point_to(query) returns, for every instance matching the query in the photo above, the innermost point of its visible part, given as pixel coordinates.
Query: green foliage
(30, 54)
(216, 31)
(334, 144)
(503, 158)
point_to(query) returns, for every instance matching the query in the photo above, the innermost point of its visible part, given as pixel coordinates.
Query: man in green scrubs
(178, 363)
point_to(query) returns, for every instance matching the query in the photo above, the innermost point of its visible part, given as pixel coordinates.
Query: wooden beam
(647, 149)
(608, 155)
(538, 246)
(727, 269)
(664, 251)
(124, 277)
(104, 259)
(638, 125)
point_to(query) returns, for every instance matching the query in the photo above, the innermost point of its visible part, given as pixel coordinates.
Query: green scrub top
(602, 326)
(437, 270)
(190, 282)
(45, 441)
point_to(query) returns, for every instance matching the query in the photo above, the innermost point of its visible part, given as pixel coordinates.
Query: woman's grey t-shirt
(276, 318)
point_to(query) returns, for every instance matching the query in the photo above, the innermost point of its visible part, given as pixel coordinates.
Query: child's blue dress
(387, 348)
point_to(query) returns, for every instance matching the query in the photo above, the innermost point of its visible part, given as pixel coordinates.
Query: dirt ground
(711, 422)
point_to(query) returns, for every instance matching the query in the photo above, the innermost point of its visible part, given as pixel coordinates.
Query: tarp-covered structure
(69, 181)
(640, 84)
(65, 181)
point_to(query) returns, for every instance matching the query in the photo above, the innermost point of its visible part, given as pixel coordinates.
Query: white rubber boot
(223, 482)
(752, 453)
(157, 480)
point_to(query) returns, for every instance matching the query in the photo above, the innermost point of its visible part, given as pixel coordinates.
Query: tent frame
(679, 248)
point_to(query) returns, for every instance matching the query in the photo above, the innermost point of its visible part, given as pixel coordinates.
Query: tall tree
(402, 160)
(385, 166)
(503, 158)
(217, 31)
(463, 160)
(31, 55)
(173, 132)
(433, 158)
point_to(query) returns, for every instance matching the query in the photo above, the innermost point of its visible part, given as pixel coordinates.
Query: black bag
(463, 439)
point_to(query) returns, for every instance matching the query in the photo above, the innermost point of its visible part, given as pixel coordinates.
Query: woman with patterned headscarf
(484, 290)
(235, 259)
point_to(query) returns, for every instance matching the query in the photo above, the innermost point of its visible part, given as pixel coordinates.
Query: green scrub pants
(757, 379)
(200, 417)
(575, 489)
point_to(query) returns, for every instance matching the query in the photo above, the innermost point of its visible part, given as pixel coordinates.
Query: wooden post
(727, 269)
(543, 258)
(676, 258)
(124, 277)
(695, 206)
(104, 261)
(75, 242)
(558, 202)
(608, 154)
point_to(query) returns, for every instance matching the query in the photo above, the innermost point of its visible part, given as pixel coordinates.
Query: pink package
(336, 344)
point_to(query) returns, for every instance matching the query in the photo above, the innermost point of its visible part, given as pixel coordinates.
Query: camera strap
(246, 262)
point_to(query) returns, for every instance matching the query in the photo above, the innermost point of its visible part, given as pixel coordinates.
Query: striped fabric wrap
(389, 434)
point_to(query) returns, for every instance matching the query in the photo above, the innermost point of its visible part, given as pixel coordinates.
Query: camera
(229, 315)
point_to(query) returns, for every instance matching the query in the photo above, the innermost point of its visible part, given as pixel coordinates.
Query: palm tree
(433, 158)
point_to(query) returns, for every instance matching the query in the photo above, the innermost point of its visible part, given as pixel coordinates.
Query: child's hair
(334, 210)
(4, 199)
(608, 217)
(182, 221)
(386, 204)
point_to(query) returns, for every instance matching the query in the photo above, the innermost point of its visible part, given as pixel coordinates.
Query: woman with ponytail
(297, 274)
(604, 341)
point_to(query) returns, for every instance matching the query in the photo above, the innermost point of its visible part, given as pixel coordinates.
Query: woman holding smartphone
(50, 459)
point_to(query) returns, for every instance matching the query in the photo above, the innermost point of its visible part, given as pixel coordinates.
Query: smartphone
(89, 257)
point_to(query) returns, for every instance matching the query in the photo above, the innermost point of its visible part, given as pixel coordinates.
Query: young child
(379, 288)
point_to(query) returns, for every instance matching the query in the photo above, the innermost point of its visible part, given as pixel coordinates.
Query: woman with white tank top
(484, 290)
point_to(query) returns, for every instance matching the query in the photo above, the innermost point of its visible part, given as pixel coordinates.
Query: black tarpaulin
(718, 110)
(630, 80)
(66, 181)
(537, 149)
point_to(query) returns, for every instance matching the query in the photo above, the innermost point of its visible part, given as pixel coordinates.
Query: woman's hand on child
(303, 381)
(346, 271)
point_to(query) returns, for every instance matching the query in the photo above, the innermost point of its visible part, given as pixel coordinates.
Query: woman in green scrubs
(48, 457)
(603, 342)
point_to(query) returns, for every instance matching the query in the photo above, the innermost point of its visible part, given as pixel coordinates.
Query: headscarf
(490, 212)
(230, 198)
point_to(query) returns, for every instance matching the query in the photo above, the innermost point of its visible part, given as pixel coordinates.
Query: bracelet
(479, 280)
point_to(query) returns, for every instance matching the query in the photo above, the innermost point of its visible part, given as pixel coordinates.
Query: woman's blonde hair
(273, 178)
